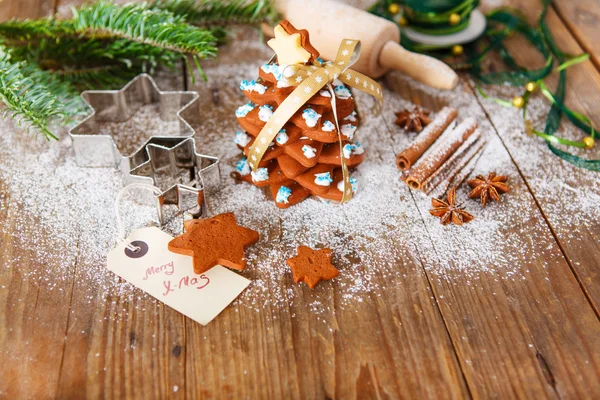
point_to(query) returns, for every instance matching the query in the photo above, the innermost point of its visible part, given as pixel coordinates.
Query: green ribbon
(438, 23)
(558, 106)
(503, 23)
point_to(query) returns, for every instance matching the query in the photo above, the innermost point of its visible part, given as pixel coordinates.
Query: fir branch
(142, 24)
(27, 98)
(94, 63)
(44, 63)
(28, 30)
(205, 12)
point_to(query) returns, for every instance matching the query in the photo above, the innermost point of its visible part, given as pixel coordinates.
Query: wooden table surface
(428, 334)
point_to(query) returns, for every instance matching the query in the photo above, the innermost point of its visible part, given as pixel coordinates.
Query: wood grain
(543, 171)
(503, 359)
(394, 345)
(33, 325)
(582, 17)
(431, 331)
(118, 348)
(26, 8)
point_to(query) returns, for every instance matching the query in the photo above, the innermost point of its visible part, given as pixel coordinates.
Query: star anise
(413, 120)
(490, 188)
(448, 211)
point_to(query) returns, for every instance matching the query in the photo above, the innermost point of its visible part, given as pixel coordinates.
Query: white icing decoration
(265, 112)
(242, 111)
(325, 93)
(323, 179)
(350, 149)
(242, 166)
(283, 194)
(282, 137)
(328, 126)
(288, 70)
(309, 152)
(342, 92)
(279, 71)
(253, 86)
(311, 117)
(260, 175)
(353, 184)
(351, 117)
(348, 130)
(242, 139)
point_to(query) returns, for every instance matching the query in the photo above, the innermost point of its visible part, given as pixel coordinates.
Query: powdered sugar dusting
(61, 216)
(132, 133)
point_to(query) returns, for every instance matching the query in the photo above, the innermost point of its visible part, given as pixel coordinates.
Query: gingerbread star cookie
(215, 241)
(292, 45)
(312, 266)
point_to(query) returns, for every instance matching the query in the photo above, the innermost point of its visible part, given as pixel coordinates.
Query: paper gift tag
(170, 277)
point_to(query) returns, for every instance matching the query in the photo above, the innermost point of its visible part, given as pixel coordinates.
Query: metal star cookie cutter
(93, 149)
(176, 169)
(190, 173)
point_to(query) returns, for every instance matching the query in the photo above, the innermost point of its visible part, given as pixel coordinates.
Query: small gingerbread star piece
(288, 47)
(312, 266)
(215, 241)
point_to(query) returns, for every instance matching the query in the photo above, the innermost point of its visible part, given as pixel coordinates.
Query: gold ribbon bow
(310, 79)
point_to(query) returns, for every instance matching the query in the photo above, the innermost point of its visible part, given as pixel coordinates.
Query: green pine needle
(204, 12)
(139, 23)
(44, 63)
(95, 63)
(26, 98)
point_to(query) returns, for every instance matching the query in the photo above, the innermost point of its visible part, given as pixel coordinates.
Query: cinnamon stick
(438, 154)
(468, 168)
(455, 164)
(426, 138)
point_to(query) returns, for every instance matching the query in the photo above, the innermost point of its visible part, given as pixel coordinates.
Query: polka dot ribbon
(310, 79)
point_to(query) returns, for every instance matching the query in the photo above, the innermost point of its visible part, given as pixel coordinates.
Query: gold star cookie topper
(291, 45)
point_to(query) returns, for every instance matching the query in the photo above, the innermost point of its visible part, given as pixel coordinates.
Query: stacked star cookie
(304, 159)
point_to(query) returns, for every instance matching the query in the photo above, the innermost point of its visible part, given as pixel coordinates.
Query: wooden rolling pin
(329, 22)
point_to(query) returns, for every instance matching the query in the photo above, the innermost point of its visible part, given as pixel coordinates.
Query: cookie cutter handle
(120, 225)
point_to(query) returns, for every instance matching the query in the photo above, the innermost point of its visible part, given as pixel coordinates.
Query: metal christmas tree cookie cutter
(170, 163)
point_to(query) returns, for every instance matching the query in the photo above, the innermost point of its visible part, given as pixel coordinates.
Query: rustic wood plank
(529, 334)
(567, 195)
(122, 344)
(582, 18)
(22, 9)
(519, 332)
(392, 344)
(34, 311)
(60, 326)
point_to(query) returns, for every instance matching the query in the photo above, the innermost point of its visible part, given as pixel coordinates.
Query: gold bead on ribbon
(588, 141)
(454, 19)
(394, 8)
(518, 102)
(531, 87)
(457, 50)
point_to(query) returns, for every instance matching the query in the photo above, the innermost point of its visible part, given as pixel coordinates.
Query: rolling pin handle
(424, 69)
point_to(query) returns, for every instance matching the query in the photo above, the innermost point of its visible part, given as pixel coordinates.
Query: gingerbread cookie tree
(304, 159)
